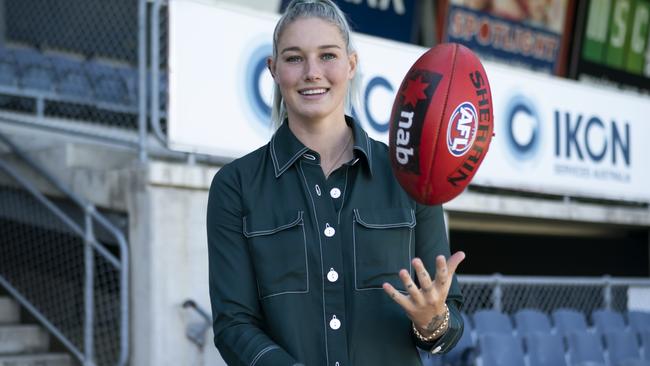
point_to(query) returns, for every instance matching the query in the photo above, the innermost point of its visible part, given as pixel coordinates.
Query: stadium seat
(491, 321)
(639, 321)
(569, 320)
(8, 73)
(585, 348)
(607, 320)
(109, 84)
(623, 348)
(645, 345)
(545, 349)
(465, 350)
(531, 320)
(34, 69)
(501, 349)
(72, 80)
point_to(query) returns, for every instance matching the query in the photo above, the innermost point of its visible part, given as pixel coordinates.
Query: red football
(441, 124)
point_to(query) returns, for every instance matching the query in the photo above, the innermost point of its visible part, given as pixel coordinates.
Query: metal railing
(511, 293)
(76, 285)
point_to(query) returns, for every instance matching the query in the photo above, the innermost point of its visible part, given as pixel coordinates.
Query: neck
(332, 139)
(327, 136)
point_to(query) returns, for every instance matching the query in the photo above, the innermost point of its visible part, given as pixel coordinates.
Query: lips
(313, 91)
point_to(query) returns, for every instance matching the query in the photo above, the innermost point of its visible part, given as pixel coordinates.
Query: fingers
(445, 269)
(410, 286)
(454, 261)
(426, 282)
(398, 297)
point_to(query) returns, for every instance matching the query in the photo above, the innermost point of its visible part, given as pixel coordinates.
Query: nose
(312, 70)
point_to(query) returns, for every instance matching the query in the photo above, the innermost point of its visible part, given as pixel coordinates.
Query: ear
(270, 66)
(352, 59)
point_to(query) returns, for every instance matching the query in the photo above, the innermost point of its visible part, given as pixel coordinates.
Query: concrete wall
(169, 264)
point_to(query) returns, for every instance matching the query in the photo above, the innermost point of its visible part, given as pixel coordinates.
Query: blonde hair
(325, 10)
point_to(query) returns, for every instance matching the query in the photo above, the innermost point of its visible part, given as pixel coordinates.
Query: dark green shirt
(297, 261)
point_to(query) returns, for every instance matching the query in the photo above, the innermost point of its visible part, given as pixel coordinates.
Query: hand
(425, 306)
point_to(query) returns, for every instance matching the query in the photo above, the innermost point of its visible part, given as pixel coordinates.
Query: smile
(313, 91)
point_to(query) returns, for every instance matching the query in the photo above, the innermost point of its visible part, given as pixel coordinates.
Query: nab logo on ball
(462, 129)
(408, 116)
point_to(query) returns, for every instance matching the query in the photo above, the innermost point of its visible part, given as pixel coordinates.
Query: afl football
(441, 124)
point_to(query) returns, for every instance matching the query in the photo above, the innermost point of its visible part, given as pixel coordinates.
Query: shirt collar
(286, 149)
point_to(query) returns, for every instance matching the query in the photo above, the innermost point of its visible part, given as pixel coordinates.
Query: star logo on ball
(414, 91)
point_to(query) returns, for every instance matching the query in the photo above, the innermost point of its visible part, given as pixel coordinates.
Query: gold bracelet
(436, 333)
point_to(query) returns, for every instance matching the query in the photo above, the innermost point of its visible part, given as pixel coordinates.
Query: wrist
(434, 331)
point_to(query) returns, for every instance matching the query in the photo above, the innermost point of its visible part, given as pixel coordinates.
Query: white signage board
(551, 135)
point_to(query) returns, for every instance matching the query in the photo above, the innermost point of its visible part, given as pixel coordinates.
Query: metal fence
(55, 264)
(511, 293)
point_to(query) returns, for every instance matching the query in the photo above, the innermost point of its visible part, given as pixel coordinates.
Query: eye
(293, 59)
(328, 56)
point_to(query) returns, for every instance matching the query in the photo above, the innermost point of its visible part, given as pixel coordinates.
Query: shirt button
(335, 323)
(436, 350)
(332, 275)
(335, 193)
(329, 231)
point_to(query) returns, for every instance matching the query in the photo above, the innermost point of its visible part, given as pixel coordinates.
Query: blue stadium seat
(109, 84)
(645, 345)
(585, 348)
(531, 320)
(72, 79)
(8, 73)
(465, 350)
(130, 77)
(545, 349)
(569, 320)
(639, 321)
(501, 349)
(623, 348)
(491, 321)
(34, 69)
(607, 320)
(37, 78)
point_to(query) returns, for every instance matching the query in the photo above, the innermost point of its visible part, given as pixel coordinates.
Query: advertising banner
(398, 20)
(526, 33)
(615, 42)
(551, 135)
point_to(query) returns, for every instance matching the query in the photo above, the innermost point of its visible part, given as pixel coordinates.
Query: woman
(317, 256)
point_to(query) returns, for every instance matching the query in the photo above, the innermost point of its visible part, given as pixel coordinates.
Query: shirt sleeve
(237, 317)
(431, 241)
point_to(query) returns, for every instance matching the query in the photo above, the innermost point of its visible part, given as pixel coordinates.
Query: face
(312, 69)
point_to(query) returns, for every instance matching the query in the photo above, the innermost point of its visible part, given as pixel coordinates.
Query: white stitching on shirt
(354, 250)
(410, 223)
(304, 241)
(250, 234)
(262, 352)
(279, 171)
(320, 247)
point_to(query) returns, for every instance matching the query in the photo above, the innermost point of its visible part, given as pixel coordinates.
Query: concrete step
(44, 359)
(9, 311)
(23, 339)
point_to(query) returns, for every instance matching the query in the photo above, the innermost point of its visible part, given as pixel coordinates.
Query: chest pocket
(383, 244)
(278, 247)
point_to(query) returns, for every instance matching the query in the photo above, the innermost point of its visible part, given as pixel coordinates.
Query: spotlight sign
(526, 33)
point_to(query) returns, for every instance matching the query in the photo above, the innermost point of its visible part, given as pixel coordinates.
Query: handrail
(87, 234)
(155, 72)
(552, 280)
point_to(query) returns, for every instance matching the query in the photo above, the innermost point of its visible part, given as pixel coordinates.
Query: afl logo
(461, 130)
